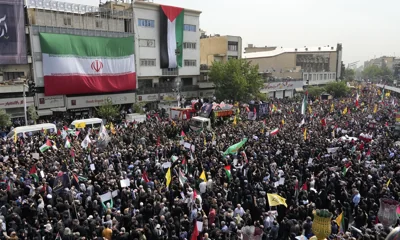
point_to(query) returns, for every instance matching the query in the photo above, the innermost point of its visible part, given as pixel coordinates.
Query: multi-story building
(14, 59)
(147, 23)
(287, 70)
(216, 48)
(158, 83)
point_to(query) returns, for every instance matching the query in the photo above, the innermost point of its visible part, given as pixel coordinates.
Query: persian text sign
(275, 86)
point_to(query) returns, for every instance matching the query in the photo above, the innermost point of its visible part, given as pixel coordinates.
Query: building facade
(140, 20)
(165, 85)
(286, 70)
(216, 48)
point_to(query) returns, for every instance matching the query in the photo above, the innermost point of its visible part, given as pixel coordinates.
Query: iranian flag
(75, 64)
(171, 36)
(274, 132)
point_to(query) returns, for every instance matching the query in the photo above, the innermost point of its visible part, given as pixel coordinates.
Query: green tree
(374, 72)
(235, 79)
(349, 74)
(5, 118)
(107, 110)
(315, 91)
(337, 89)
(32, 113)
(138, 108)
(262, 96)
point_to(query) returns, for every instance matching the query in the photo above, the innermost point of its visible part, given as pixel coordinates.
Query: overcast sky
(366, 28)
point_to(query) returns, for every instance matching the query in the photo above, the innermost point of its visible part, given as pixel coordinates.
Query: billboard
(12, 32)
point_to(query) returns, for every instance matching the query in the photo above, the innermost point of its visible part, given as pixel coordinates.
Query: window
(67, 21)
(145, 23)
(189, 45)
(7, 76)
(147, 62)
(233, 47)
(99, 24)
(147, 43)
(190, 63)
(189, 28)
(145, 83)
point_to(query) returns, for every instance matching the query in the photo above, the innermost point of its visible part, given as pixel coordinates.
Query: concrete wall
(213, 46)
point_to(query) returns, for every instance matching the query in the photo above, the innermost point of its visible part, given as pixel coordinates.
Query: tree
(5, 118)
(315, 91)
(337, 89)
(349, 74)
(138, 108)
(235, 79)
(374, 72)
(32, 113)
(107, 110)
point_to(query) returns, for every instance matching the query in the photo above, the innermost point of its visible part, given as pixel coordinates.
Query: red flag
(194, 194)
(65, 128)
(369, 153)
(183, 134)
(75, 178)
(145, 177)
(361, 147)
(305, 187)
(254, 110)
(72, 153)
(33, 170)
(323, 122)
(195, 232)
(58, 132)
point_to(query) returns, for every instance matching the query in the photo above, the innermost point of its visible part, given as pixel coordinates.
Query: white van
(93, 123)
(200, 123)
(135, 117)
(32, 129)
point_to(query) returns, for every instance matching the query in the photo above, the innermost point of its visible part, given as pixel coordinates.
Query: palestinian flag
(67, 143)
(346, 168)
(10, 186)
(171, 36)
(228, 172)
(182, 178)
(74, 64)
(45, 146)
(33, 173)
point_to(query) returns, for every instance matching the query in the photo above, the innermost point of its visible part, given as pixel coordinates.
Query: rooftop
(281, 50)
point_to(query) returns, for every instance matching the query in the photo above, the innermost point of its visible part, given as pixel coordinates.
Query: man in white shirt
(239, 210)
(203, 187)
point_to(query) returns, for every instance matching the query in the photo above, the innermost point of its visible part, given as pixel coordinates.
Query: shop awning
(44, 112)
(59, 109)
(299, 89)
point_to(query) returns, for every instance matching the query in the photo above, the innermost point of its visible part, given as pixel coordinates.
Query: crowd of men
(160, 180)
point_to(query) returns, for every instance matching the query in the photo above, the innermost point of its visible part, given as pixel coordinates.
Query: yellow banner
(275, 200)
(80, 125)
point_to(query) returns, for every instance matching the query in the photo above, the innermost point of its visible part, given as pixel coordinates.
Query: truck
(135, 117)
(210, 115)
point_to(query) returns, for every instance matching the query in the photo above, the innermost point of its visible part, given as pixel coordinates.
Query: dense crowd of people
(160, 180)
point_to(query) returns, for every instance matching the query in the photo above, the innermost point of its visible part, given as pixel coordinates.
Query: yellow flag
(205, 142)
(203, 176)
(214, 137)
(283, 121)
(339, 219)
(262, 131)
(168, 177)
(80, 125)
(15, 137)
(344, 111)
(113, 131)
(234, 121)
(379, 92)
(275, 200)
(305, 134)
(387, 94)
(375, 108)
(388, 182)
(274, 108)
(309, 109)
(332, 108)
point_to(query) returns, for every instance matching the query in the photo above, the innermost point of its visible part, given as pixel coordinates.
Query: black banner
(12, 32)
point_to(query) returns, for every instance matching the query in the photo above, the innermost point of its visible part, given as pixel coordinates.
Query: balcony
(203, 85)
(204, 68)
(12, 87)
(169, 72)
(189, 88)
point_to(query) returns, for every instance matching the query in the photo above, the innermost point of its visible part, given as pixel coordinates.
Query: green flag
(235, 147)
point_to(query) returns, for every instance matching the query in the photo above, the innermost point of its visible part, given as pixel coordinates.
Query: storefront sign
(43, 101)
(206, 94)
(192, 94)
(147, 98)
(274, 86)
(168, 97)
(97, 100)
(16, 102)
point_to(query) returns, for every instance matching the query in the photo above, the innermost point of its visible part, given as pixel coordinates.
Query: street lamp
(178, 90)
